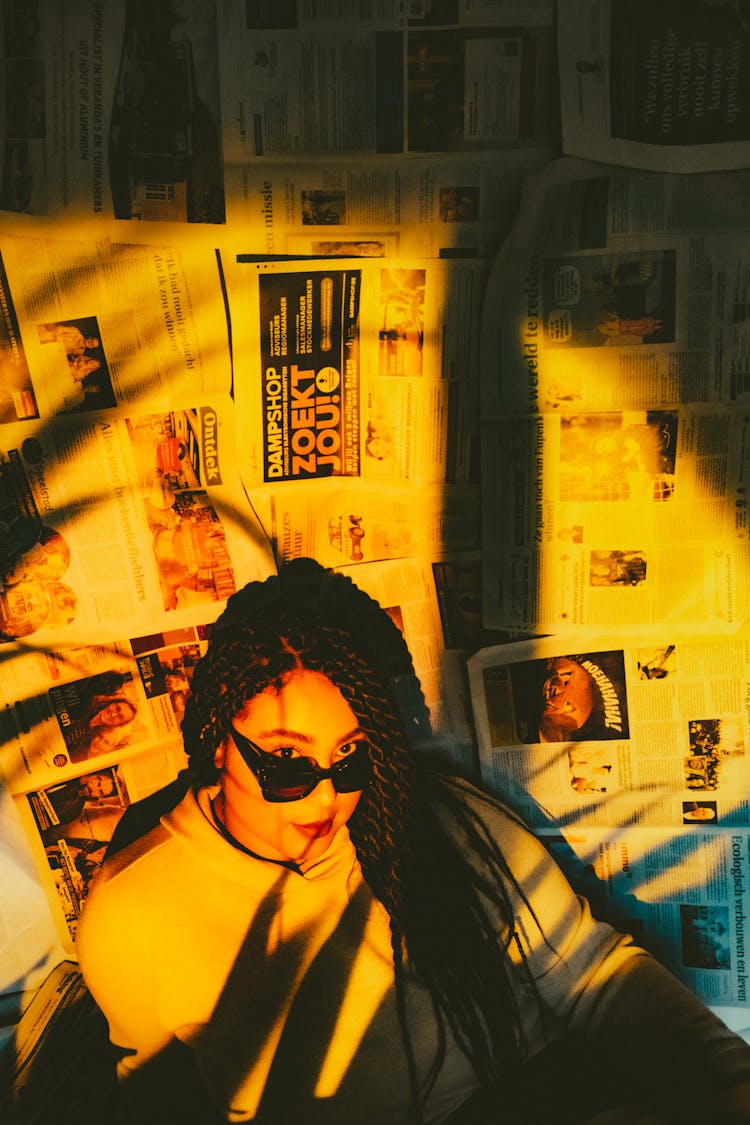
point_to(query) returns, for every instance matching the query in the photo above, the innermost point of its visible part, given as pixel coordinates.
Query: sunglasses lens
(353, 772)
(280, 789)
(294, 780)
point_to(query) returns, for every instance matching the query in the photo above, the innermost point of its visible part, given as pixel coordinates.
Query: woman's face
(307, 716)
(568, 699)
(115, 714)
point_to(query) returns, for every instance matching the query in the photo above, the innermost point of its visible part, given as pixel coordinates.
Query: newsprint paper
(632, 762)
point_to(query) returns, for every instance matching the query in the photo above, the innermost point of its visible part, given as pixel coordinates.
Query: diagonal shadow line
(249, 1005)
(321, 992)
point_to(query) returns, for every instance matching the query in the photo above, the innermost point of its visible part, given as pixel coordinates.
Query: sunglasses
(291, 779)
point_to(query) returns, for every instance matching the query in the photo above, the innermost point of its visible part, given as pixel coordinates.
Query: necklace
(289, 864)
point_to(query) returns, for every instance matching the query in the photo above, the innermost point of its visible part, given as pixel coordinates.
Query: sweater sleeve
(650, 1033)
(114, 951)
(118, 951)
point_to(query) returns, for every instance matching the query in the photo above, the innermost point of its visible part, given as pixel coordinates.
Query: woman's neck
(217, 811)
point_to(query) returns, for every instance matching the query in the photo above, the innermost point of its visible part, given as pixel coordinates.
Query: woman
(324, 929)
(110, 726)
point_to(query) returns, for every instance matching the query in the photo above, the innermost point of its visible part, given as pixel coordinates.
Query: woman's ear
(219, 755)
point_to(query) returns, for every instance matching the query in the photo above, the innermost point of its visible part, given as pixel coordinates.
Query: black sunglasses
(291, 779)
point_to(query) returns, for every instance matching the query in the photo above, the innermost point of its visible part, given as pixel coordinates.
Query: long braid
(411, 830)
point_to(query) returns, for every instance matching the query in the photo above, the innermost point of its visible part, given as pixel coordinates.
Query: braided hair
(313, 619)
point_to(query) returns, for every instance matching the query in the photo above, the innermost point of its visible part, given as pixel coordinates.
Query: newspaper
(339, 522)
(93, 325)
(613, 393)
(61, 1055)
(633, 761)
(619, 290)
(620, 519)
(661, 86)
(431, 205)
(681, 894)
(357, 370)
(434, 600)
(116, 111)
(367, 84)
(135, 111)
(121, 494)
(110, 522)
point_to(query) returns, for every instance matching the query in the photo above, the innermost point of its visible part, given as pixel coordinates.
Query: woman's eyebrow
(299, 736)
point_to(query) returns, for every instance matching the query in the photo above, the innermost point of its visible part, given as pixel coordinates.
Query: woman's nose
(324, 793)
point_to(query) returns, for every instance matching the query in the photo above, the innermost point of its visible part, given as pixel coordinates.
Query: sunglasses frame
(257, 760)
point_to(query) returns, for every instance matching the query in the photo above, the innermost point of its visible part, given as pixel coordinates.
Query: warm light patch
(369, 981)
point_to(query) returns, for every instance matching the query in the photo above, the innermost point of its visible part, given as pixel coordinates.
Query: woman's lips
(315, 829)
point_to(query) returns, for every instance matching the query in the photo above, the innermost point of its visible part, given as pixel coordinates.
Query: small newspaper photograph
(662, 86)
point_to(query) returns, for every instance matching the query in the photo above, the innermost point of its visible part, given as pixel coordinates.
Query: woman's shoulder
(463, 807)
(450, 790)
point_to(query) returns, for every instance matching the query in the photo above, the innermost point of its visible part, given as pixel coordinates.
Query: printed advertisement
(310, 360)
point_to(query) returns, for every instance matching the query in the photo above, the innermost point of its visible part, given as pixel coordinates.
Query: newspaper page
(342, 522)
(89, 325)
(134, 110)
(662, 86)
(361, 82)
(655, 731)
(382, 207)
(683, 894)
(614, 317)
(62, 989)
(632, 763)
(357, 370)
(61, 1056)
(108, 522)
(115, 110)
(620, 519)
(407, 590)
(94, 729)
(620, 289)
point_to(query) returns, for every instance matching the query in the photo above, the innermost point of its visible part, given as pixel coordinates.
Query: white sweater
(280, 985)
